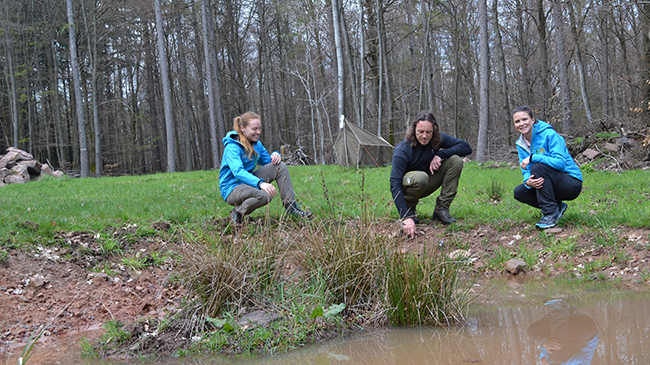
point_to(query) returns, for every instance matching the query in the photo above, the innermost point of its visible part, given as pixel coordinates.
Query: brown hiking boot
(443, 215)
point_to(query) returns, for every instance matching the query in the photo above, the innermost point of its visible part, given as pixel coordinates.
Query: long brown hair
(428, 116)
(242, 122)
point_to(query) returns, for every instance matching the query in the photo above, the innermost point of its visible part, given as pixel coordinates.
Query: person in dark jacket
(423, 162)
(550, 175)
(246, 188)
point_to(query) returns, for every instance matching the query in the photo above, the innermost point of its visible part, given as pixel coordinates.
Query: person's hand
(535, 183)
(276, 158)
(525, 162)
(408, 226)
(551, 345)
(436, 161)
(269, 189)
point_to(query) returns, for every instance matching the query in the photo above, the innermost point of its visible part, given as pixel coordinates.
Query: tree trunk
(484, 76)
(208, 74)
(523, 51)
(76, 79)
(501, 59)
(12, 78)
(563, 65)
(92, 39)
(544, 71)
(428, 70)
(579, 64)
(604, 58)
(362, 67)
(186, 112)
(167, 97)
(339, 61)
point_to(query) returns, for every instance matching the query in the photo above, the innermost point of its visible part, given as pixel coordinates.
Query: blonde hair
(242, 122)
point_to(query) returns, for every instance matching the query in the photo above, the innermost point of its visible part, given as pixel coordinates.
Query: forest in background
(106, 87)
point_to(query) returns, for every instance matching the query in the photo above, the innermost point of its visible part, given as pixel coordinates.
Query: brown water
(605, 326)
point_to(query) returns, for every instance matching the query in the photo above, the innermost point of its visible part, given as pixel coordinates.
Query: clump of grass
(372, 276)
(495, 190)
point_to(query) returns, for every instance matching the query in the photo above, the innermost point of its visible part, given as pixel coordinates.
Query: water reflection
(564, 336)
(594, 327)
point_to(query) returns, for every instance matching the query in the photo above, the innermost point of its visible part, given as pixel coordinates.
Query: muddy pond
(508, 324)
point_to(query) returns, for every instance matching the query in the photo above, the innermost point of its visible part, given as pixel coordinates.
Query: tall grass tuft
(365, 269)
(230, 274)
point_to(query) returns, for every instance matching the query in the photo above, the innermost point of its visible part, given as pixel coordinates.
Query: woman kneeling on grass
(550, 173)
(246, 188)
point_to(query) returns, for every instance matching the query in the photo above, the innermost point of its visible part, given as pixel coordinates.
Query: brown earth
(54, 286)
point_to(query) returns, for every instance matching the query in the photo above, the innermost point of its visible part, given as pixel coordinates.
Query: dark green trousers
(417, 184)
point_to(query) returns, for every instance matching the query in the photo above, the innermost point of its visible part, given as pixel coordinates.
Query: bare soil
(54, 286)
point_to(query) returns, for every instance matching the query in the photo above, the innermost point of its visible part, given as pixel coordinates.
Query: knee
(415, 180)
(539, 169)
(520, 193)
(455, 162)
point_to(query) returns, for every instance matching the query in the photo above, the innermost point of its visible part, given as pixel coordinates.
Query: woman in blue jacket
(244, 187)
(551, 176)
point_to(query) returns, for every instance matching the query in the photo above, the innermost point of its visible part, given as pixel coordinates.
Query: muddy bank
(56, 287)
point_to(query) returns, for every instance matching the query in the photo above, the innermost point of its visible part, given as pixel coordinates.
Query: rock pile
(19, 167)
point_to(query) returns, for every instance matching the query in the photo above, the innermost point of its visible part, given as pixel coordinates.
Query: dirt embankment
(55, 287)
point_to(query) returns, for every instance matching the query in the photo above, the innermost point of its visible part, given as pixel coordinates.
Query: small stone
(38, 281)
(514, 266)
(553, 230)
(612, 147)
(590, 153)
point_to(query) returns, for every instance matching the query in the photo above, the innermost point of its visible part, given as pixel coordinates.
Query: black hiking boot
(236, 218)
(443, 215)
(294, 209)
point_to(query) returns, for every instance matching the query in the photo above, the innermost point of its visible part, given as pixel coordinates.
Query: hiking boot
(236, 218)
(548, 221)
(563, 207)
(294, 209)
(443, 215)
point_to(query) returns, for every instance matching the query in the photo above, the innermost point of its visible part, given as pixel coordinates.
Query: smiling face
(424, 132)
(523, 124)
(253, 130)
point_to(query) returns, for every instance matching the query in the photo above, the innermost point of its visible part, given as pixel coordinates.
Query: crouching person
(246, 188)
(550, 175)
(423, 162)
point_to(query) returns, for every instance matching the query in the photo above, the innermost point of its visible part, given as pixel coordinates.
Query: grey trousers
(418, 184)
(246, 198)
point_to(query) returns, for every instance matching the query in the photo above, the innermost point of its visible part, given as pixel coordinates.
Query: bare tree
(339, 59)
(503, 71)
(484, 75)
(12, 77)
(563, 65)
(208, 74)
(81, 122)
(579, 63)
(166, 90)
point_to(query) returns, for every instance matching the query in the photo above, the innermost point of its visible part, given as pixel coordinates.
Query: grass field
(484, 197)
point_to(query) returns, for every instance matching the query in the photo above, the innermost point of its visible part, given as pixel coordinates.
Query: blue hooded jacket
(236, 167)
(547, 147)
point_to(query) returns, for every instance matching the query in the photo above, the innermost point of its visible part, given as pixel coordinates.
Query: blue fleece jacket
(236, 167)
(547, 147)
